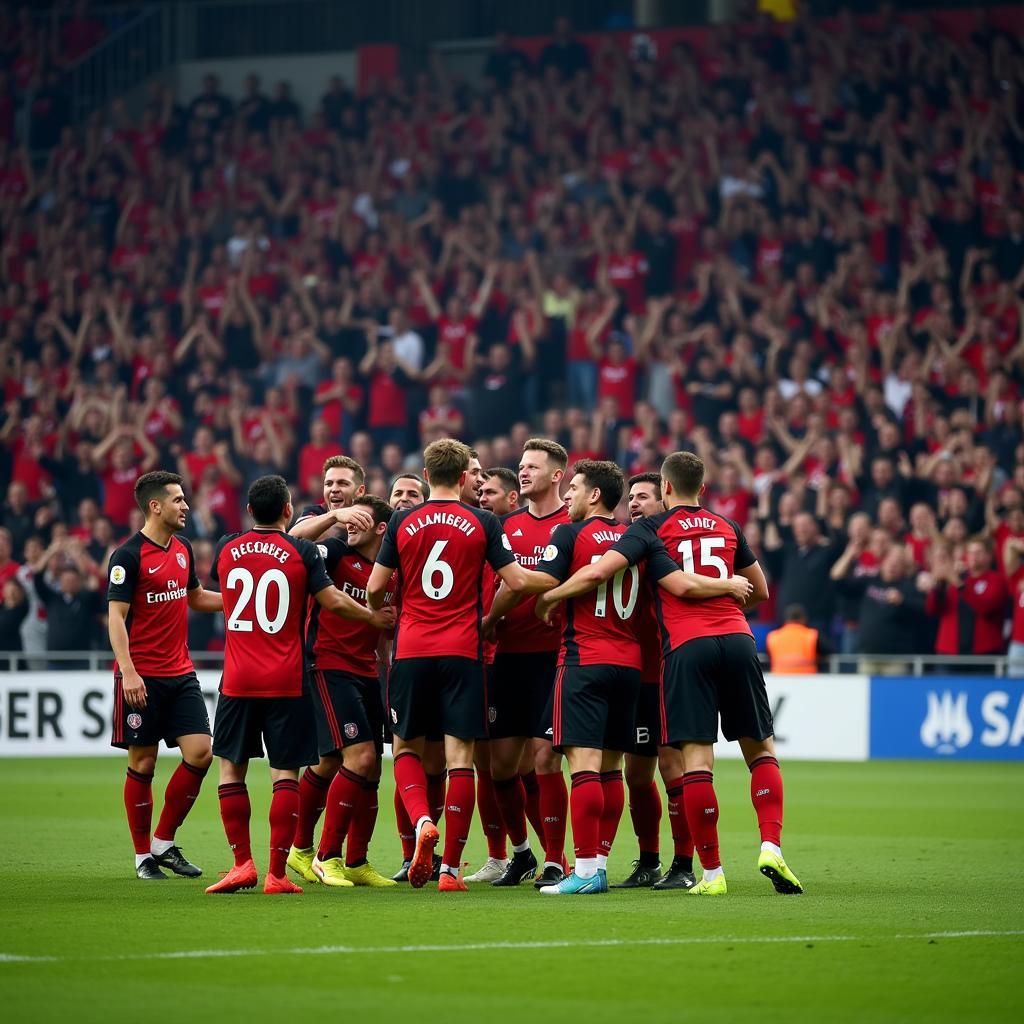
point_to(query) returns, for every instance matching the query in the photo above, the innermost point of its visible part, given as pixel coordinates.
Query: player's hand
(543, 608)
(383, 619)
(740, 588)
(489, 629)
(134, 689)
(357, 517)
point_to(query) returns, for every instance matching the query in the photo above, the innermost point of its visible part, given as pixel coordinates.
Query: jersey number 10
(622, 608)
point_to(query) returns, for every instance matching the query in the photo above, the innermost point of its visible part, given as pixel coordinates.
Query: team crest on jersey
(351, 730)
(549, 552)
(322, 548)
(181, 560)
(117, 575)
(134, 721)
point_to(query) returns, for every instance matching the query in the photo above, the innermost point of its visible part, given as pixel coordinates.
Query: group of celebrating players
(484, 626)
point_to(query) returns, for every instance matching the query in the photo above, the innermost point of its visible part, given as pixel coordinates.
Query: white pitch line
(472, 947)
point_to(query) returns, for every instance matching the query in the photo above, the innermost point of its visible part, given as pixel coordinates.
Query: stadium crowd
(798, 253)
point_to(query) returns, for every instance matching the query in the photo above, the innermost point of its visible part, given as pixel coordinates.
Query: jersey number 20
(240, 577)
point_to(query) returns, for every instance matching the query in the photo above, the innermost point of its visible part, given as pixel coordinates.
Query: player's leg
(680, 873)
(235, 809)
(342, 801)
(531, 789)
(490, 818)
(701, 806)
(289, 731)
(435, 768)
(554, 803)
(138, 805)
(645, 816)
(187, 726)
(462, 708)
(506, 758)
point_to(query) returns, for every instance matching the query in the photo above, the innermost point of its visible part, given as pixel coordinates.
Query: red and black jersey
(265, 576)
(529, 536)
(648, 632)
(439, 549)
(599, 627)
(155, 582)
(345, 644)
(696, 540)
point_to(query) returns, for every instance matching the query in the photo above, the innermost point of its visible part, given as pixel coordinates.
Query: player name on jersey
(440, 519)
(259, 547)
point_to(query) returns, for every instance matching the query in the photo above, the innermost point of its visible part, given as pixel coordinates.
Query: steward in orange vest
(794, 647)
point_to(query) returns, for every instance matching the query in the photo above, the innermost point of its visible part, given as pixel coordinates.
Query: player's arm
(313, 527)
(132, 686)
(759, 593)
(331, 598)
(202, 600)
(499, 554)
(521, 582)
(384, 567)
(589, 578)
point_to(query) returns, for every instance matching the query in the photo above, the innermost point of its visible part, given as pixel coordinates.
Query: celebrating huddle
(488, 629)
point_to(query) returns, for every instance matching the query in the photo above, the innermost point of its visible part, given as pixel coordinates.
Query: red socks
(614, 795)
(645, 812)
(312, 799)
(458, 814)
(766, 796)
(681, 838)
(180, 795)
(435, 795)
(406, 829)
(587, 807)
(138, 804)
(490, 816)
(360, 832)
(511, 799)
(554, 802)
(411, 783)
(235, 812)
(531, 801)
(702, 815)
(284, 809)
(342, 800)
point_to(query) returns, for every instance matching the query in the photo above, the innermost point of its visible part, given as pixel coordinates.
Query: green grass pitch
(913, 912)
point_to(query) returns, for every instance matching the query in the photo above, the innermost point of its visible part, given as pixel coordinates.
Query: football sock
(701, 807)
(138, 804)
(766, 796)
(180, 795)
(234, 813)
(342, 800)
(312, 800)
(585, 867)
(284, 809)
(614, 800)
(645, 812)
(510, 798)
(490, 816)
(406, 832)
(682, 841)
(602, 862)
(772, 848)
(360, 831)
(458, 814)
(411, 783)
(586, 807)
(710, 874)
(554, 803)
(531, 801)
(435, 795)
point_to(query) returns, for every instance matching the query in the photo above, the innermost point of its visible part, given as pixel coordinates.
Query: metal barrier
(838, 664)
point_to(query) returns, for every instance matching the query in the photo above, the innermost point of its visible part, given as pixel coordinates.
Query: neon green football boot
(774, 868)
(366, 874)
(301, 862)
(712, 887)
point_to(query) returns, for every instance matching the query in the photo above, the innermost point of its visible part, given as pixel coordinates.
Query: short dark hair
(684, 471)
(554, 451)
(795, 613)
(344, 462)
(508, 478)
(605, 476)
(153, 486)
(382, 511)
(647, 478)
(268, 497)
(424, 486)
(445, 461)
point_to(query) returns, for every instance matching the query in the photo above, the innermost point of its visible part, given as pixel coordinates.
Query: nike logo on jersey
(154, 569)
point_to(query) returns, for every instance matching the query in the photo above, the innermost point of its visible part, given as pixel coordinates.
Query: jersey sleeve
(316, 572)
(659, 562)
(309, 512)
(193, 578)
(744, 557)
(639, 540)
(388, 554)
(557, 555)
(333, 550)
(499, 551)
(122, 574)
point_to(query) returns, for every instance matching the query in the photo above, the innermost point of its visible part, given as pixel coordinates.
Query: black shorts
(348, 710)
(174, 707)
(712, 676)
(519, 692)
(647, 724)
(438, 696)
(287, 725)
(595, 706)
